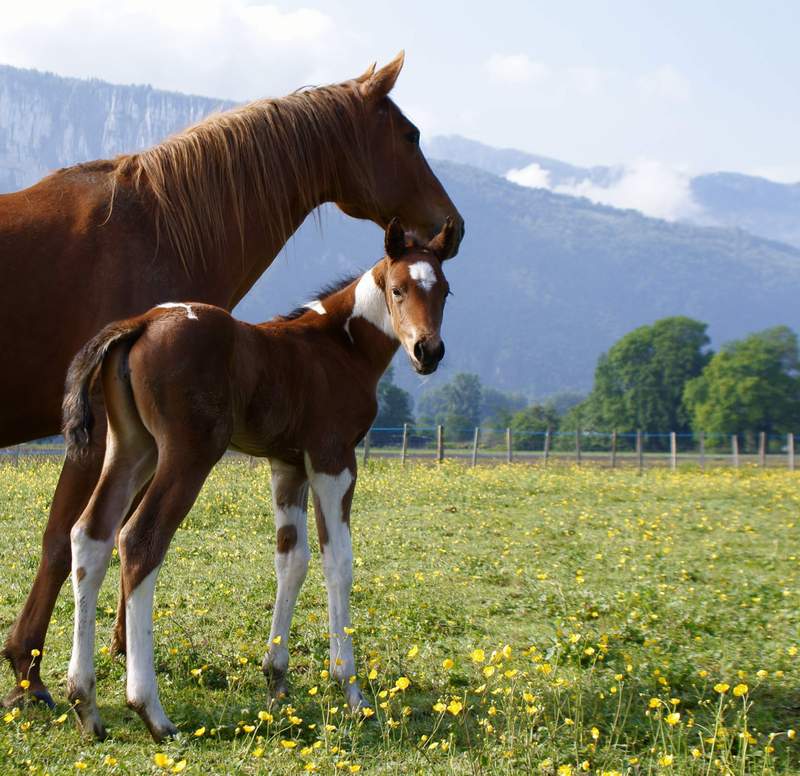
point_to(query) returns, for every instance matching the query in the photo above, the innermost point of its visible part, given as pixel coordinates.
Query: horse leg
(75, 486)
(333, 496)
(118, 636)
(290, 502)
(124, 472)
(143, 544)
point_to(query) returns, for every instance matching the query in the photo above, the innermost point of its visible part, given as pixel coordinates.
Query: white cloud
(664, 83)
(226, 48)
(515, 68)
(651, 187)
(533, 176)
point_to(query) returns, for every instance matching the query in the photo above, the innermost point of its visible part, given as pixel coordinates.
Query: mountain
(543, 283)
(757, 205)
(47, 121)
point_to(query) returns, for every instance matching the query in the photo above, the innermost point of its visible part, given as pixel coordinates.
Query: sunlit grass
(508, 619)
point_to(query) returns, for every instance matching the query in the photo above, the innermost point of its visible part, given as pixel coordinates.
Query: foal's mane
(329, 289)
(242, 158)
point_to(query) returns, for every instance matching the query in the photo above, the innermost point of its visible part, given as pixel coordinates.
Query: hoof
(34, 694)
(163, 732)
(276, 682)
(159, 725)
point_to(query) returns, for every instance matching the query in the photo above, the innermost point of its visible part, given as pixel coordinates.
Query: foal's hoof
(34, 694)
(162, 732)
(159, 725)
(276, 682)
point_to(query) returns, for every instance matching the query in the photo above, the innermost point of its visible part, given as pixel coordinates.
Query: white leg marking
(187, 307)
(290, 568)
(89, 563)
(316, 306)
(142, 689)
(424, 274)
(337, 564)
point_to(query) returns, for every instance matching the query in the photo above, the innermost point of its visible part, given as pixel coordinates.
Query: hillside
(757, 205)
(543, 284)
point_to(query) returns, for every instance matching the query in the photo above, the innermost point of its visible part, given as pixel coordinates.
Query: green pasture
(508, 619)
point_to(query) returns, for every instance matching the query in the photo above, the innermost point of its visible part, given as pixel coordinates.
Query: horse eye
(396, 292)
(413, 137)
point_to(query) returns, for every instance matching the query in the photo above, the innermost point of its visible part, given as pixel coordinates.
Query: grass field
(508, 619)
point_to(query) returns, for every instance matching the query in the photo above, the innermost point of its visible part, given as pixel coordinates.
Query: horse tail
(78, 419)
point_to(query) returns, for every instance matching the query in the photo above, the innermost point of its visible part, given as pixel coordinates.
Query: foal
(182, 383)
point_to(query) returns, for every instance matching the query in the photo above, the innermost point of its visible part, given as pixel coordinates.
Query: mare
(185, 381)
(199, 216)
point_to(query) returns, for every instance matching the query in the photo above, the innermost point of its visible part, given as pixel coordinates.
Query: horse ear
(395, 240)
(445, 244)
(381, 82)
(367, 74)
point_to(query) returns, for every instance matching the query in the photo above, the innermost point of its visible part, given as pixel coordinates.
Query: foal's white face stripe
(424, 274)
(187, 307)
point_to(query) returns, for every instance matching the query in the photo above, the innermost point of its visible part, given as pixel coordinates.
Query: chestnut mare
(199, 216)
(184, 382)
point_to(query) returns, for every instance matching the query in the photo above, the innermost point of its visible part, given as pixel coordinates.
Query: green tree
(751, 385)
(529, 424)
(497, 407)
(394, 404)
(456, 405)
(640, 382)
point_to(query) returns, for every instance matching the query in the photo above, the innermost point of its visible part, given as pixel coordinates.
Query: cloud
(533, 176)
(664, 83)
(515, 68)
(227, 48)
(651, 187)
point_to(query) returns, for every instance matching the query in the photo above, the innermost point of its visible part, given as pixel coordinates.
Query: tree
(394, 404)
(640, 382)
(529, 424)
(497, 407)
(751, 385)
(456, 405)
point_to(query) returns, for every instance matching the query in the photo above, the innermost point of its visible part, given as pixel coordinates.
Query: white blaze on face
(187, 307)
(370, 304)
(423, 273)
(316, 306)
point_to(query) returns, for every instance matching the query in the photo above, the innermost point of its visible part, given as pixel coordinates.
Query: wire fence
(486, 445)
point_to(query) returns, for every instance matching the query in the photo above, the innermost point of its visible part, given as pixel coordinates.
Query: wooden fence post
(366, 446)
(702, 450)
(790, 450)
(439, 443)
(673, 450)
(639, 450)
(404, 448)
(735, 450)
(475, 442)
(547, 439)
(578, 446)
(613, 449)
(508, 445)
(762, 449)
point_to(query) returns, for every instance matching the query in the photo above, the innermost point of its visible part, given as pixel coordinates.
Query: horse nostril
(419, 351)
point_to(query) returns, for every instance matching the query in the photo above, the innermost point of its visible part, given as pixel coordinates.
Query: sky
(665, 90)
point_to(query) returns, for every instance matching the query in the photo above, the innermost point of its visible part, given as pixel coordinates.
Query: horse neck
(360, 310)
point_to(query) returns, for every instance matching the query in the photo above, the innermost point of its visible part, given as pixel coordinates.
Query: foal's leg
(333, 495)
(290, 502)
(143, 543)
(92, 537)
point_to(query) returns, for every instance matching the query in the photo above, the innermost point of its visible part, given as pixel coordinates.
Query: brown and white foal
(184, 382)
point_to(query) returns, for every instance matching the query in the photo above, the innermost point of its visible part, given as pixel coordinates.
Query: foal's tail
(78, 418)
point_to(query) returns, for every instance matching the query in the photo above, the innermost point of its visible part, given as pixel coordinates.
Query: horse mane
(242, 158)
(329, 289)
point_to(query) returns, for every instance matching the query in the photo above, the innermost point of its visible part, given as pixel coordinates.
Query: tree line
(659, 377)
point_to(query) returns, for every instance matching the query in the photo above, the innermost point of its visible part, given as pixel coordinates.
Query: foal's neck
(361, 312)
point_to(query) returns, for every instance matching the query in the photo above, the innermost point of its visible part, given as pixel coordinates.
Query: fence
(639, 449)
